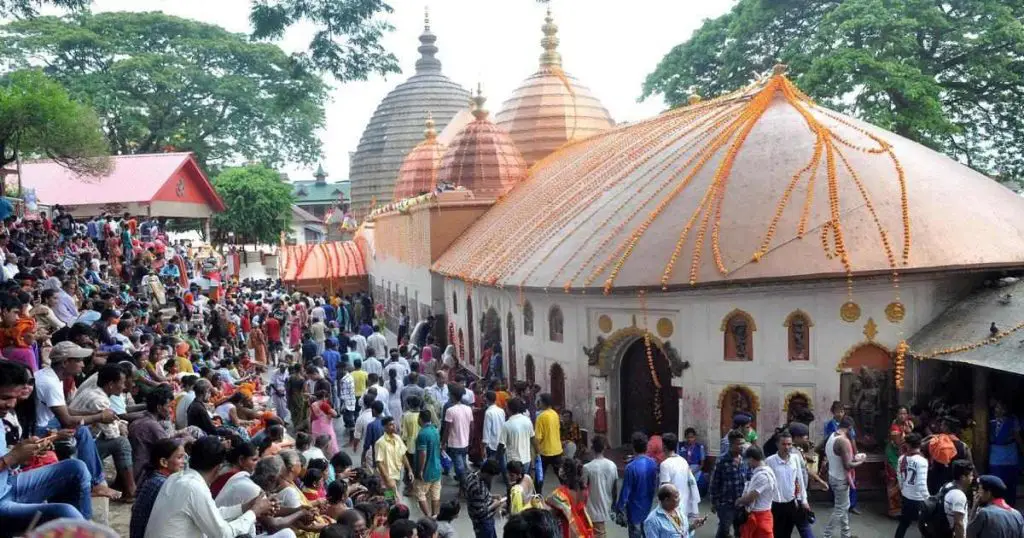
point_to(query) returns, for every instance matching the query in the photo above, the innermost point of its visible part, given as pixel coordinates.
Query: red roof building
(158, 184)
(332, 267)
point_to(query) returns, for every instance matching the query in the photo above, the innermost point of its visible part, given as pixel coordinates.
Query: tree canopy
(39, 119)
(162, 82)
(258, 205)
(22, 9)
(947, 74)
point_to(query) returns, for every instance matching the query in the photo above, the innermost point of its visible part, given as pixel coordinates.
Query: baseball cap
(69, 350)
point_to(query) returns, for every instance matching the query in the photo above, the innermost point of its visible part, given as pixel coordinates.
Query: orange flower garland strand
(650, 360)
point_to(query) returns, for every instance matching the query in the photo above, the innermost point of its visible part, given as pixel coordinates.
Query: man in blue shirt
(374, 431)
(727, 481)
(332, 359)
(668, 519)
(638, 487)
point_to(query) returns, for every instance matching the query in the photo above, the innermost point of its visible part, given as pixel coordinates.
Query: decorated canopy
(761, 184)
(335, 266)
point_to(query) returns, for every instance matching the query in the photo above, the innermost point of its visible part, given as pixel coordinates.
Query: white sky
(609, 45)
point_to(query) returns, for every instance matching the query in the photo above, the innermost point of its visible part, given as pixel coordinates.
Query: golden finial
(779, 69)
(694, 97)
(430, 133)
(479, 112)
(550, 57)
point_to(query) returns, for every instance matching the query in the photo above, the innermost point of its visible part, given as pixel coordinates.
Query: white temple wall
(696, 319)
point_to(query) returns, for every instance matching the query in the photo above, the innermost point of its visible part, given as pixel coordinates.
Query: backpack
(932, 520)
(942, 448)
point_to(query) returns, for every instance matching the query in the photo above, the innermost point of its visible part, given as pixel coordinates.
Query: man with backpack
(942, 449)
(912, 474)
(944, 515)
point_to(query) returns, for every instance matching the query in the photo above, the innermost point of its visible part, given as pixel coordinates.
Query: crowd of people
(247, 410)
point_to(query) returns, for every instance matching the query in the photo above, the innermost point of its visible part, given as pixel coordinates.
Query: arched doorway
(557, 386)
(868, 390)
(531, 370)
(645, 407)
(734, 400)
(490, 337)
(471, 352)
(510, 323)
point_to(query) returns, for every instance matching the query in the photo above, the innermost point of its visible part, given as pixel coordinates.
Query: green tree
(159, 81)
(38, 119)
(947, 74)
(346, 41)
(259, 205)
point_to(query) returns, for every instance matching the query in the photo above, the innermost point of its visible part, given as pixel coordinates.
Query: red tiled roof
(324, 261)
(133, 178)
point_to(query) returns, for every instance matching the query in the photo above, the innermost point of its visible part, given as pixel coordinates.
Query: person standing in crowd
(347, 398)
(954, 502)
(912, 472)
(458, 419)
(991, 516)
(695, 453)
(600, 478)
(668, 519)
(758, 495)
(638, 487)
(379, 344)
(727, 481)
(741, 423)
(516, 437)
(372, 365)
(790, 503)
(494, 420)
(548, 438)
(428, 466)
(1005, 446)
(838, 414)
(839, 453)
(482, 505)
(676, 470)
(403, 324)
(800, 433)
(390, 456)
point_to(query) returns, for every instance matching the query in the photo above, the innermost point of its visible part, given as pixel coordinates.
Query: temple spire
(320, 175)
(427, 62)
(479, 112)
(550, 57)
(430, 133)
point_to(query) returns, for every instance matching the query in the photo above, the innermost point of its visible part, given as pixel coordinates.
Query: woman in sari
(569, 502)
(522, 494)
(298, 405)
(258, 344)
(1004, 449)
(894, 448)
(323, 415)
(292, 498)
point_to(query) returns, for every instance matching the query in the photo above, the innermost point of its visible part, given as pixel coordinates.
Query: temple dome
(551, 107)
(482, 158)
(758, 185)
(418, 174)
(397, 126)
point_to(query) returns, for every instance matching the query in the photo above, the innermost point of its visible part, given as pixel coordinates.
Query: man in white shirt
(360, 341)
(382, 392)
(494, 419)
(954, 502)
(185, 507)
(110, 382)
(912, 475)
(365, 417)
(758, 494)
(186, 399)
(372, 365)
(675, 470)
(378, 343)
(791, 493)
(516, 434)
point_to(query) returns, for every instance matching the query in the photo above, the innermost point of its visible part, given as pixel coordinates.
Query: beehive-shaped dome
(397, 126)
(759, 185)
(551, 107)
(418, 174)
(482, 158)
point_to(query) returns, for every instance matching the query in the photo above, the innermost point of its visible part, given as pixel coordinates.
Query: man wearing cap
(991, 517)
(52, 412)
(741, 422)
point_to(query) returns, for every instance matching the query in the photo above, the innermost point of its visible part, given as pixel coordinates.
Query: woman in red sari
(569, 502)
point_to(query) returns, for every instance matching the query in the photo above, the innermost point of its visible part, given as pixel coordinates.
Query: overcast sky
(609, 45)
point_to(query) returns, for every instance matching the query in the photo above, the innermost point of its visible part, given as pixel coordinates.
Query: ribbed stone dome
(551, 107)
(397, 126)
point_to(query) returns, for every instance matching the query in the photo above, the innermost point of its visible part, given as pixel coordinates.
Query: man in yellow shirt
(359, 381)
(390, 454)
(410, 429)
(547, 438)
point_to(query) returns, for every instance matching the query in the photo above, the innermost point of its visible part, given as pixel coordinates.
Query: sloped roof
(303, 216)
(323, 261)
(311, 192)
(132, 179)
(963, 333)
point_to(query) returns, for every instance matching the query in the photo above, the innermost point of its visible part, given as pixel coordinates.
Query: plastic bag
(446, 462)
(538, 470)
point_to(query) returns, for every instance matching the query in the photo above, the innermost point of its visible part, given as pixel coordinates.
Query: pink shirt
(459, 417)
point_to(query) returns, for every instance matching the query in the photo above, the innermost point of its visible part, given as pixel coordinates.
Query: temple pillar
(980, 397)
(206, 230)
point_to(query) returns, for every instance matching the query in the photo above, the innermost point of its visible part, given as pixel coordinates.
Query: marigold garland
(658, 413)
(900, 364)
